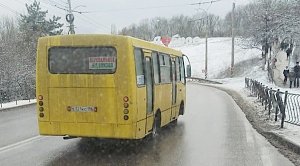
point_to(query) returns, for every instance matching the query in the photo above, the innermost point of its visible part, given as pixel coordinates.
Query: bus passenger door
(149, 93)
(174, 89)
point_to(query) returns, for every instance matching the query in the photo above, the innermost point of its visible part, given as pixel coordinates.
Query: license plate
(82, 109)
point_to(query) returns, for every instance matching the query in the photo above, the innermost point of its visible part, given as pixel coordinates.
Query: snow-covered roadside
(287, 140)
(16, 104)
(219, 56)
(290, 133)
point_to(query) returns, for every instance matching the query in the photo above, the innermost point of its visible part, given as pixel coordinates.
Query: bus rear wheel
(156, 126)
(181, 109)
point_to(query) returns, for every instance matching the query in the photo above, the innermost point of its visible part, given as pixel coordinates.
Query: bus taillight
(41, 108)
(40, 97)
(126, 105)
(126, 99)
(126, 117)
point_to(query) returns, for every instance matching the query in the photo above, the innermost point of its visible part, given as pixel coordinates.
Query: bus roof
(114, 38)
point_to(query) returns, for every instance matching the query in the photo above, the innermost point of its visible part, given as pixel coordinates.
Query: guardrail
(15, 94)
(284, 104)
(201, 80)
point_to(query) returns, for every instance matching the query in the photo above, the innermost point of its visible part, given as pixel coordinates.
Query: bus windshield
(82, 60)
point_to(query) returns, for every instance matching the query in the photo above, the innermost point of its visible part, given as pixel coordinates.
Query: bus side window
(182, 74)
(165, 68)
(156, 72)
(168, 68)
(177, 69)
(139, 59)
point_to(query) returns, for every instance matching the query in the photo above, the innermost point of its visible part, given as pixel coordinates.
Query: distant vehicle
(107, 86)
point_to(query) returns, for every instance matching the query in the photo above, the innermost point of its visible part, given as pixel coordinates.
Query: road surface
(214, 131)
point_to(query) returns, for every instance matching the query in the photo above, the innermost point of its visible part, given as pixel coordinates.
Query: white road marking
(19, 144)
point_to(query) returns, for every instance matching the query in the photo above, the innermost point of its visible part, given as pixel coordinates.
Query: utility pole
(206, 35)
(206, 46)
(232, 32)
(70, 19)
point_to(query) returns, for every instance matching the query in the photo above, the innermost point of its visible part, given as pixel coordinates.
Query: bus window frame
(178, 79)
(48, 66)
(158, 67)
(170, 74)
(143, 65)
(183, 66)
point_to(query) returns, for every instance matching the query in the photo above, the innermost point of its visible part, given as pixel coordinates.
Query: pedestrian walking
(274, 60)
(285, 74)
(288, 53)
(281, 46)
(297, 74)
(291, 78)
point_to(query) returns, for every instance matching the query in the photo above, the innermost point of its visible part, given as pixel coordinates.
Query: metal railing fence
(285, 106)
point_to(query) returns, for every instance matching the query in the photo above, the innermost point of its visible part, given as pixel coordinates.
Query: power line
(89, 20)
(138, 8)
(57, 3)
(63, 2)
(207, 2)
(151, 7)
(70, 10)
(54, 5)
(44, 5)
(20, 2)
(9, 9)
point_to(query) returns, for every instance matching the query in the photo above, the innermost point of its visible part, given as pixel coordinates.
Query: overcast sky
(103, 13)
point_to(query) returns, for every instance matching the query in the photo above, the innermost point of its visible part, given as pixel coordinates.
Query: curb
(201, 80)
(284, 141)
(275, 139)
(17, 106)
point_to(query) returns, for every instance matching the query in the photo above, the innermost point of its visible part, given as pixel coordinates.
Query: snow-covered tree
(18, 41)
(185, 26)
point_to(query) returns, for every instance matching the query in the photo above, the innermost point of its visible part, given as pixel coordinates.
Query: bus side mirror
(188, 71)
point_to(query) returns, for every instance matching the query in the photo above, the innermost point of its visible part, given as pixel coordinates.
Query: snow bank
(219, 56)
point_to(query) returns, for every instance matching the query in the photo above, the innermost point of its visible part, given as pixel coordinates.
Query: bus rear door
(149, 92)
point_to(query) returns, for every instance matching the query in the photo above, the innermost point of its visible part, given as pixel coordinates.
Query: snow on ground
(16, 103)
(219, 56)
(219, 59)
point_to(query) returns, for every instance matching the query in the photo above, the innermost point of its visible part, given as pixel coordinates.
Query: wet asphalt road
(214, 131)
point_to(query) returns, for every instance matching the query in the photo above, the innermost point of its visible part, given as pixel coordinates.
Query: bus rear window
(82, 60)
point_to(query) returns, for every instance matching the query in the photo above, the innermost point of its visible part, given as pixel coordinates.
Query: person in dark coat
(286, 74)
(288, 53)
(291, 78)
(297, 74)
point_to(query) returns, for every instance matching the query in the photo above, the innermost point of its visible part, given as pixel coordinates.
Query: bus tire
(174, 122)
(181, 109)
(156, 125)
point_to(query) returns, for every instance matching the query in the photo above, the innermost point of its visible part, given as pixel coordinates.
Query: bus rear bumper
(116, 131)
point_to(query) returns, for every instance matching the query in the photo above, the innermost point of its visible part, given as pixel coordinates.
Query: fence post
(277, 105)
(270, 101)
(283, 111)
(266, 97)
